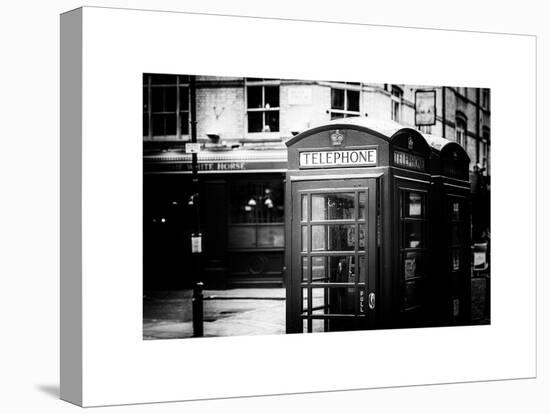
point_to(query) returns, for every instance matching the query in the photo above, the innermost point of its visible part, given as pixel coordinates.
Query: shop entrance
(334, 224)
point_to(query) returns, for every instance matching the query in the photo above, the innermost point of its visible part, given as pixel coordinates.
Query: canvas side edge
(71, 353)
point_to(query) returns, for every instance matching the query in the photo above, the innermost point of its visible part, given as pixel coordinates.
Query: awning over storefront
(216, 161)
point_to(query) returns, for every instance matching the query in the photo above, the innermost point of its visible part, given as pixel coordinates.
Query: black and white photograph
(281, 206)
(267, 208)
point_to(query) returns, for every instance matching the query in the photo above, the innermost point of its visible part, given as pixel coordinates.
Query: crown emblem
(337, 138)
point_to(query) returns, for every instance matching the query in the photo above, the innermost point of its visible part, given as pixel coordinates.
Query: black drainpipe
(443, 118)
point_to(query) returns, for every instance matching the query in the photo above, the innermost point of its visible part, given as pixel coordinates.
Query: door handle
(372, 300)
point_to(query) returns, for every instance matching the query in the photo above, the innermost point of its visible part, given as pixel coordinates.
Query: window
(457, 236)
(413, 247)
(257, 201)
(426, 129)
(165, 106)
(256, 214)
(262, 104)
(485, 99)
(461, 130)
(345, 100)
(396, 101)
(485, 142)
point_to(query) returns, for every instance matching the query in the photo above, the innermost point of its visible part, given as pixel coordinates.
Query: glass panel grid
(413, 244)
(334, 240)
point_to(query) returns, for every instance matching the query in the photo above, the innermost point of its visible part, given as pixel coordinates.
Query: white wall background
(29, 211)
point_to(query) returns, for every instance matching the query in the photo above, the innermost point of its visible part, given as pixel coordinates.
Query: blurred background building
(242, 126)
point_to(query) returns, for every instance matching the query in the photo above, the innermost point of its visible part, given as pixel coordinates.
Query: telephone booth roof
(446, 148)
(377, 142)
(385, 129)
(448, 158)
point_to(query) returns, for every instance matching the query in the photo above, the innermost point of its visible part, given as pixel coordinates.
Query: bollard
(197, 301)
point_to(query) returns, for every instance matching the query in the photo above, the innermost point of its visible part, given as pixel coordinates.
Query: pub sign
(424, 104)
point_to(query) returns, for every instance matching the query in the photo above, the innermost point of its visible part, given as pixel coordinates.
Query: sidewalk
(231, 312)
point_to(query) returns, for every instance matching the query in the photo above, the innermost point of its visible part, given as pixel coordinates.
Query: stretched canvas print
(387, 195)
(327, 215)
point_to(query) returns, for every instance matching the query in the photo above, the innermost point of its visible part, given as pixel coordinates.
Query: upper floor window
(165, 106)
(485, 142)
(396, 102)
(345, 100)
(485, 99)
(426, 129)
(262, 104)
(461, 130)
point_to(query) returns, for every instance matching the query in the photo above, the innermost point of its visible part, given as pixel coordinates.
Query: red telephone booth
(357, 245)
(452, 205)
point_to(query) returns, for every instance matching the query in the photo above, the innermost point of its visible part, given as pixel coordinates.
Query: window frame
(462, 91)
(255, 226)
(485, 143)
(396, 97)
(346, 87)
(461, 119)
(421, 251)
(486, 99)
(149, 112)
(263, 83)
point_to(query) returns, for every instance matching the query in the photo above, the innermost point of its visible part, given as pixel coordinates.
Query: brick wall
(221, 111)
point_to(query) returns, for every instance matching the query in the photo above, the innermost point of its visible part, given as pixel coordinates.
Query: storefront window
(257, 214)
(257, 202)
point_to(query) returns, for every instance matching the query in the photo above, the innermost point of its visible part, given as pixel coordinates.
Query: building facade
(242, 126)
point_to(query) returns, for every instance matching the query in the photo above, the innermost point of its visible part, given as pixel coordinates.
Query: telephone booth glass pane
(456, 260)
(414, 234)
(362, 269)
(318, 325)
(341, 269)
(304, 238)
(413, 265)
(339, 206)
(305, 268)
(362, 205)
(304, 300)
(456, 210)
(318, 268)
(413, 205)
(413, 249)
(333, 301)
(334, 269)
(362, 236)
(413, 294)
(456, 233)
(304, 215)
(318, 303)
(333, 237)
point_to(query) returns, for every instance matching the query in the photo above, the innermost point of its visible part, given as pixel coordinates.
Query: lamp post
(196, 237)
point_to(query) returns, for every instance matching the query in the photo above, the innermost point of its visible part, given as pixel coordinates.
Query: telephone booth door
(333, 281)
